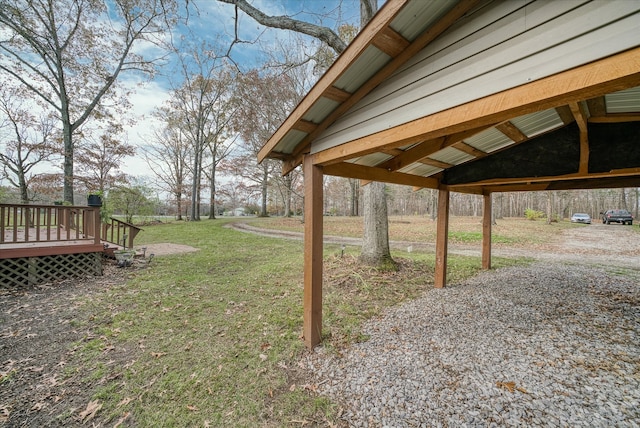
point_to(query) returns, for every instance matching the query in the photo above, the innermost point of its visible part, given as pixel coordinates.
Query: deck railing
(48, 223)
(20, 223)
(119, 232)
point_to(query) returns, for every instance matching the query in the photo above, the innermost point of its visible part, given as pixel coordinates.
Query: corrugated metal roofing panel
(451, 156)
(320, 110)
(368, 64)
(420, 169)
(372, 159)
(538, 122)
(489, 140)
(289, 141)
(409, 27)
(627, 101)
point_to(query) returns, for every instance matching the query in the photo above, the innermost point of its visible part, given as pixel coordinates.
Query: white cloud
(144, 100)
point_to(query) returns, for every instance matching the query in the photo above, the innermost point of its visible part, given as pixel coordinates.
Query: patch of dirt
(165, 248)
(38, 329)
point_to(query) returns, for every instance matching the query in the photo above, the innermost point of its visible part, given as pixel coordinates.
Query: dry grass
(518, 232)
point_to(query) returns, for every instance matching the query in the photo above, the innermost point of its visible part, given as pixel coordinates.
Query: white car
(581, 218)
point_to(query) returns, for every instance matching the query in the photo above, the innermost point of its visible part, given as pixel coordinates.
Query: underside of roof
(478, 97)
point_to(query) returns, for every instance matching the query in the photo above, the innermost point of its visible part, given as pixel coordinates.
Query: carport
(474, 97)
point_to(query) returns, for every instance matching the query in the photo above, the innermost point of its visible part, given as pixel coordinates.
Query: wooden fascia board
(364, 38)
(617, 72)
(367, 173)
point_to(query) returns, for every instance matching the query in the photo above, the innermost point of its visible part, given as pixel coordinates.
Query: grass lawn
(211, 338)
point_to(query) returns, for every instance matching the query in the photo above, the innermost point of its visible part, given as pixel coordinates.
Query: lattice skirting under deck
(39, 270)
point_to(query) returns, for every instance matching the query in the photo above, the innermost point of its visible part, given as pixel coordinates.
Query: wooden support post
(313, 204)
(442, 237)
(486, 232)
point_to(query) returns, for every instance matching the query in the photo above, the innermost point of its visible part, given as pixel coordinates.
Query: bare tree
(69, 54)
(203, 113)
(26, 141)
(98, 160)
(168, 158)
(263, 100)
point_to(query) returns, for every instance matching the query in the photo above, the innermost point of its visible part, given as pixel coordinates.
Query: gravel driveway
(553, 344)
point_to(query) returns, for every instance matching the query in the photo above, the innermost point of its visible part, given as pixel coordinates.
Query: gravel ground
(548, 345)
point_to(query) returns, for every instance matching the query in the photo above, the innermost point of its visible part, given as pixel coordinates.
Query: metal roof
(393, 37)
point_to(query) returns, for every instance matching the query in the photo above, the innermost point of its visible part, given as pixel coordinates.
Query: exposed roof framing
(459, 147)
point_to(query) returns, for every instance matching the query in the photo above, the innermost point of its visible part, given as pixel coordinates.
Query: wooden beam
(616, 118)
(565, 114)
(616, 173)
(442, 238)
(305, 126)
(370, 173)
(436, 163)
(313, 213)
(470, 150)
(511, 131)
(336, 94)
(581, 115)
(486, 231)
(617, 72)
(414, 154)
(597, 106)
(390, 42)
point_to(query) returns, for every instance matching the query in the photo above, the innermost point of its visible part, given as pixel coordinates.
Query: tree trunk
(179, 205)
(68, 159)
(212, 194)
(288, 183)
(354, 184)
(375, 243)
(265, 182)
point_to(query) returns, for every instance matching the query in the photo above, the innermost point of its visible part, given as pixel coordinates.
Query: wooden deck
(39, 243)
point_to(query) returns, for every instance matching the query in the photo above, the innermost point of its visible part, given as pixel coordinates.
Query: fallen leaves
(4, 413)
(510, 386)
(90, 412)
(158, 354)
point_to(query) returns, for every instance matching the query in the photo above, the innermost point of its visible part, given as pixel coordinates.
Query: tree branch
(284, 22)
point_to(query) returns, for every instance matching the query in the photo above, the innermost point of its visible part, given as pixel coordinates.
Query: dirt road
(597, 243)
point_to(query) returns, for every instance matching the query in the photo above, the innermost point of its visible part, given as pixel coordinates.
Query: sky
(215, 21)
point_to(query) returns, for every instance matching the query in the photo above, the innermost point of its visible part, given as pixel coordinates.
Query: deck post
(486, 232)
(313, 231)
(97, 225)
(442, 237)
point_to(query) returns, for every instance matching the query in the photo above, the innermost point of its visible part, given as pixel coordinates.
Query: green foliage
(130, 201)
(531, 214)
